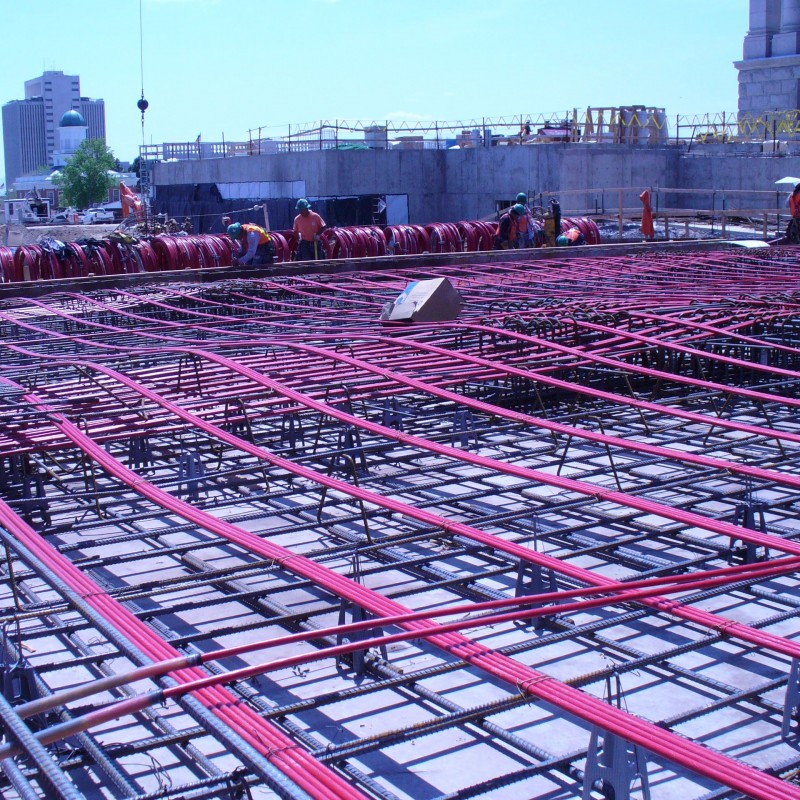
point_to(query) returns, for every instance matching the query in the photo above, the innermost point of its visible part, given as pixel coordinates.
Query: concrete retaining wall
(449, 185)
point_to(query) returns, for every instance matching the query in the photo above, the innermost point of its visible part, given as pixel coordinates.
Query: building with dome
(47, 122)
(72, 130)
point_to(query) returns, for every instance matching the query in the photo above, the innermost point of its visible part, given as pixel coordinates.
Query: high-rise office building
(30, 126)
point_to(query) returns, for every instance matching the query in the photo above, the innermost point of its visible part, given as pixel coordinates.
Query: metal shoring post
(463, 425)
(192, 473)
(745, 515)
(350, 442)
(293, 430)
(612, 763)
(713, 207)
(391, 415)
(792, 700)
(357, 614)
(533, 579)
(723, 221)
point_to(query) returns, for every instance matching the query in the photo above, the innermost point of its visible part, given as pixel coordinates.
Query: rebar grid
(187, 468)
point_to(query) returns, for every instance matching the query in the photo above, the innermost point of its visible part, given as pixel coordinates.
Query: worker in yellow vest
(255, 244)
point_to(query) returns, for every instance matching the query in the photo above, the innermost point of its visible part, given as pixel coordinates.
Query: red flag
(131, 203)
(647, 215)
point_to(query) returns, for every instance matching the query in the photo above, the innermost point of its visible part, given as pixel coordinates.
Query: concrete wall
(769, 85)
(448, 185)
(722, 168)
(769, 74)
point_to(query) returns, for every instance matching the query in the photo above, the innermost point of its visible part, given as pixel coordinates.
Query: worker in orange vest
(255, 244)
(308, 225)
(507, 234)
(572, 236)
(793, 230)
(525, 223)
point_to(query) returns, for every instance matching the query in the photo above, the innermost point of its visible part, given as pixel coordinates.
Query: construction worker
(570, 237)
(793, 230)
(525, 225)
(308, 225)
(507, 234)
(255, 244)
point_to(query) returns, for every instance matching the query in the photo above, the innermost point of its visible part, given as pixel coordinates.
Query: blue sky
(214, 67)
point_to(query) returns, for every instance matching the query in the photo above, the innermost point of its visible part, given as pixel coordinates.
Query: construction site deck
(548, 549)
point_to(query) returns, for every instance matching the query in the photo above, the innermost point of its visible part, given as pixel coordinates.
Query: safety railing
(638, 125)
(677, 213)
(613, 124)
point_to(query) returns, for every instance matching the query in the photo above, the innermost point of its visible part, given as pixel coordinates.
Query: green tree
(85, 179)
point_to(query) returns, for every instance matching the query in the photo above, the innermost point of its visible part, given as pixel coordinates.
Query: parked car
(68, 216)
(93, 215)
